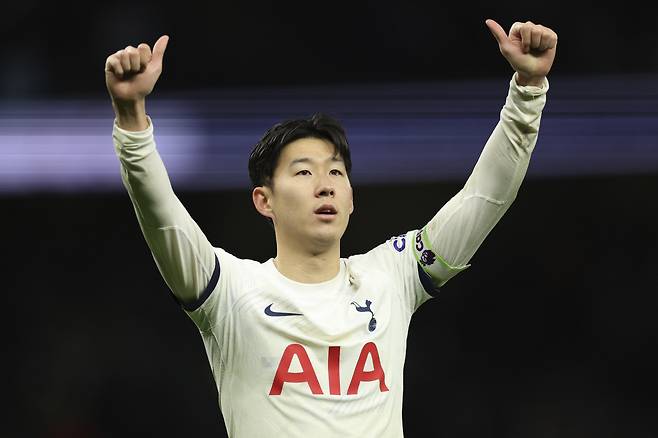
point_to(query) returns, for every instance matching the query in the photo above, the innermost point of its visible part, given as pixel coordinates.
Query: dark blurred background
(551, 333)
(56, 48)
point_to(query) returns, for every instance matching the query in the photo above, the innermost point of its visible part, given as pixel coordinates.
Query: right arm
(183, 254)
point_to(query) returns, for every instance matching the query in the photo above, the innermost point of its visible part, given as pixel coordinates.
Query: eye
(303, 172)
(336, 172)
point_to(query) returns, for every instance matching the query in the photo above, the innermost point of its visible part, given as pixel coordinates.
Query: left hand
(529, 48)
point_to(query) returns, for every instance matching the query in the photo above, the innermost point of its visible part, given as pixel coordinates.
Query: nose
(325, 189)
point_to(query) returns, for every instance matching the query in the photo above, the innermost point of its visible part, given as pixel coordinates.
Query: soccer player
(309, 343)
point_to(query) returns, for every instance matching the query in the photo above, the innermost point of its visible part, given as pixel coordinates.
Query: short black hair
(265, 155)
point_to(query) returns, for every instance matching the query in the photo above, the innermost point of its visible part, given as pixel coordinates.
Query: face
(311, 198)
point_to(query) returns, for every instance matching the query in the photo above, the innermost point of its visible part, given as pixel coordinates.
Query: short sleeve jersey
(327, 358)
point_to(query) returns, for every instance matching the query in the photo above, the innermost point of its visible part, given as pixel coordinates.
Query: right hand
(131, 73)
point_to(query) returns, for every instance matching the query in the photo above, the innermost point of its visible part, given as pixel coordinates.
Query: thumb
(497, 31)
(159, 48)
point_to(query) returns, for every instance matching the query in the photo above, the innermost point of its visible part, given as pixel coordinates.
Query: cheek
(349, 198)
(293, 198)
(289, 200)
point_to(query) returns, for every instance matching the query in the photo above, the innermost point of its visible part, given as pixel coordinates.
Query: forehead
(309, 147)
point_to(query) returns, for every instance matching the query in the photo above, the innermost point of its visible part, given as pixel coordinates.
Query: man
(309, 342)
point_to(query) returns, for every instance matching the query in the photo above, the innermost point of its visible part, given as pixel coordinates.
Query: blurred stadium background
(552, 331)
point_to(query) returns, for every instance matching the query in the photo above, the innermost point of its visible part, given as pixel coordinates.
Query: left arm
(460, 227)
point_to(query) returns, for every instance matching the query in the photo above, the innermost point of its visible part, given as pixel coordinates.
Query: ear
(351, 200)
(261, 197)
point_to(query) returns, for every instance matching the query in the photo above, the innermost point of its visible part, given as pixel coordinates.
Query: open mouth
(326, 211)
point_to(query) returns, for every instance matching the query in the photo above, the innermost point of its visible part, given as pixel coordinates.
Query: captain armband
(429, 261)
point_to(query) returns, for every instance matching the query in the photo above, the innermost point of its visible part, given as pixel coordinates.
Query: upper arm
(395, 261)
(185, 259)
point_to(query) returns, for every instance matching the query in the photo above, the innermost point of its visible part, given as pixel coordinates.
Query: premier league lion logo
(427, 257)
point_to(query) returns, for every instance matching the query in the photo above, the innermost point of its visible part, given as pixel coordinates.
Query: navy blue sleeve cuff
(427, 282)
(190, 307)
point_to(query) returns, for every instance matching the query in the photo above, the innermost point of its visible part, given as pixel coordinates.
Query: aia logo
(307, 375)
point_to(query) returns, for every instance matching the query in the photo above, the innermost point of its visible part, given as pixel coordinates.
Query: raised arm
(462, 224)
(181, 251)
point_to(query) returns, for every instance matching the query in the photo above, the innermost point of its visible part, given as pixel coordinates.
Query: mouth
(326, 211)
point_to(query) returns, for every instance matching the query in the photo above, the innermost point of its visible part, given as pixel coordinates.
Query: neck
(307, 265)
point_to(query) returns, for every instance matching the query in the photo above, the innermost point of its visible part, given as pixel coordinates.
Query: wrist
(522, 80)
(131, 115)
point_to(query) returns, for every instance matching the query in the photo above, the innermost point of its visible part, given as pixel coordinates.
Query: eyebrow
(335, 158)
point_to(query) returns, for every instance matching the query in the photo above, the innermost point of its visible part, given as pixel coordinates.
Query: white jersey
(294, 359)
(291, 358)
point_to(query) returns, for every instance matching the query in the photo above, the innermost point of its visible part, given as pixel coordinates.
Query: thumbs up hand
(529, 48)
(131, 73)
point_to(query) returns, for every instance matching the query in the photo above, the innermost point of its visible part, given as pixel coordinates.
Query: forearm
(527, 80)
(144, 176)
(131, 115)
(460, 227)
(182, 253)
(504, 160)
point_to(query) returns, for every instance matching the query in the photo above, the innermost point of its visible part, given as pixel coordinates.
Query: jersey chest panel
(346, 341)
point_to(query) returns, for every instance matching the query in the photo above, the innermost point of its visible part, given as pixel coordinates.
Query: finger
(497, 31)
(124, 60)
(133, 56)
(543, 44)
(535, 37)
(552, 40)
(144, 55)
(159, 49)
(548, 40)
(113, 65)
(526, 36)
(514, 29)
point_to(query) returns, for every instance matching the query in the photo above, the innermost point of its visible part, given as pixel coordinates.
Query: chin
(327, 236)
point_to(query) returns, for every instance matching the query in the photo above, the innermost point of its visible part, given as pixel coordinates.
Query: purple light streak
(399, 133)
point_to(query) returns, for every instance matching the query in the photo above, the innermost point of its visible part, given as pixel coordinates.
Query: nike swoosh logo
(270, 312)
